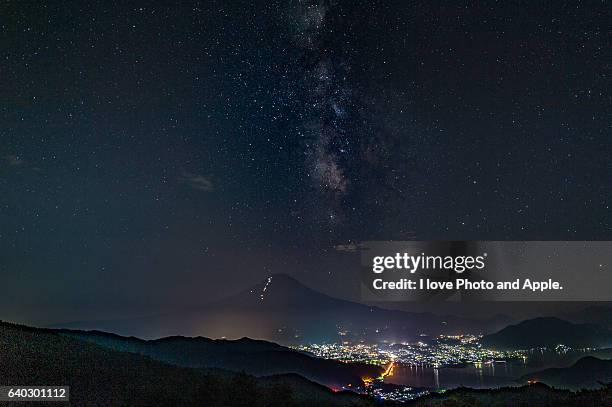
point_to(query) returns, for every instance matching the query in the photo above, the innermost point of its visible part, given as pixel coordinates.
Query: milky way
(328, 100)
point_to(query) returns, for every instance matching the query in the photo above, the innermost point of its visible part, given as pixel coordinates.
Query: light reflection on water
(484, 376)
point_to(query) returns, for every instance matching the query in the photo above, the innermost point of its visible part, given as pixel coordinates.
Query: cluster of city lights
(437, 352)
(441, 352)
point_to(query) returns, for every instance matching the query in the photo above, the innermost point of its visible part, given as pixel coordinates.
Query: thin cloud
(13, 160)
(198, 182)
(349, 247)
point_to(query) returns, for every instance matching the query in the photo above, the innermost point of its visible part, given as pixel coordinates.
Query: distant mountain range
(594, 314)
(102, 376)
(549, 332)
(587, 373)
(282, 310)
(254, 357)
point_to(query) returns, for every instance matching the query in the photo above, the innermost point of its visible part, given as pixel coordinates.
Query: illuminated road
(388, 371)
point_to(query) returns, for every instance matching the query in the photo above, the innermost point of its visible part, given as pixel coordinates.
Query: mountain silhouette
(100, 376)
(279, 290)
(256, 357)
(549, 332)
(593, 314)
(283, 310)
(587, 373)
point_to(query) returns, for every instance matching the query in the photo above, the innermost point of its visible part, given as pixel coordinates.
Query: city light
(439, 352)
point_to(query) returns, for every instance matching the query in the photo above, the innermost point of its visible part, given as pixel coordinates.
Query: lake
(488, 376)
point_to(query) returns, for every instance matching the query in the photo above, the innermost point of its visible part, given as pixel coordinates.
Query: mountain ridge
(255, 357)
(100, 376)
(283, 310)
(587, 373)
(549, 332)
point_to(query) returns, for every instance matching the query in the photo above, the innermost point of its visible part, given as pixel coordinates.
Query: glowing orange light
(389, 370)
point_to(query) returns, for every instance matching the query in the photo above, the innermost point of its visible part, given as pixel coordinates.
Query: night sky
(160, 154)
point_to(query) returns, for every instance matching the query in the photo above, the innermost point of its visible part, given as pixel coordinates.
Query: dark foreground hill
(549, 332)
(98, 376)
(587, 373)
(538, 395)
(259, 358)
